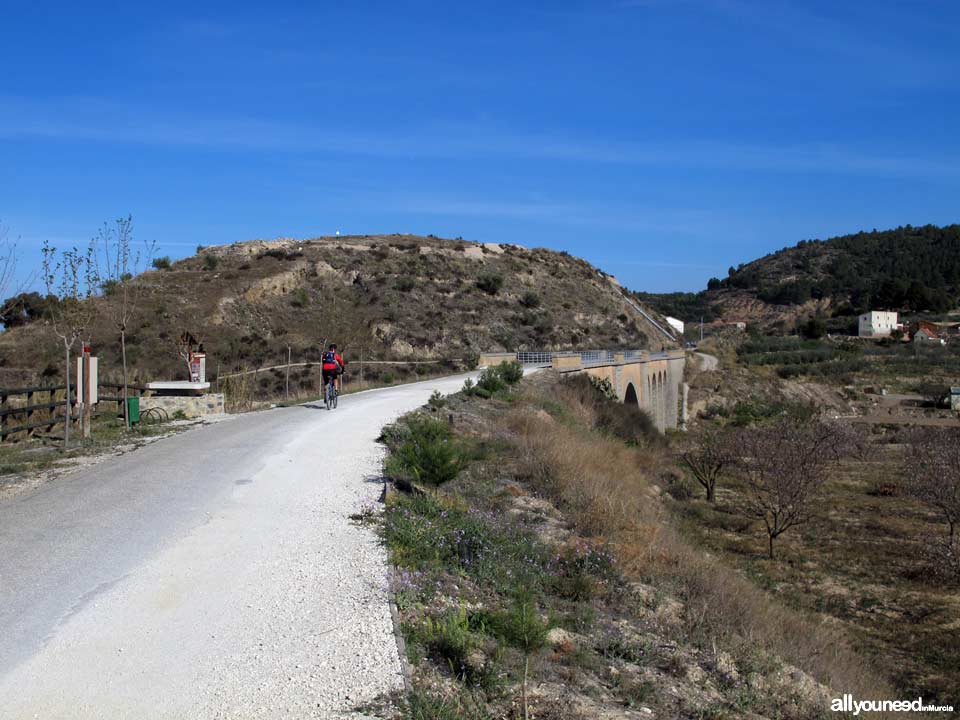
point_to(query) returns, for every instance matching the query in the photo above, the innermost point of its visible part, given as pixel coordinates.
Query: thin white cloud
(97, 121)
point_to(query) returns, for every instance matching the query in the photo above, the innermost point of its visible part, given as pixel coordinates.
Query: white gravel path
(273, 605)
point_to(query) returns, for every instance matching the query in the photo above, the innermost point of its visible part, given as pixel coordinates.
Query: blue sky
(663, 140)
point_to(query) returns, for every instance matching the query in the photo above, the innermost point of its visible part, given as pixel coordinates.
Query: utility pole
(701, 328)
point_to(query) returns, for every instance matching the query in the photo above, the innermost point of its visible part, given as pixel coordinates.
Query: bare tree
(186, 345)
(70, 277)
(709, 455)
(932, 473)
(785, 464)
(118, 264)
(8, 264)
(933, 394)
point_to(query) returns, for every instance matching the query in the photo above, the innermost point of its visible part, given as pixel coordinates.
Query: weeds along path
(215, 574)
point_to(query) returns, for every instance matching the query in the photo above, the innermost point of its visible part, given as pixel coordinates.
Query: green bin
(133, 409)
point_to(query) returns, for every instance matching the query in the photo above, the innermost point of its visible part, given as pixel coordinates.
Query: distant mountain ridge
(910, 269)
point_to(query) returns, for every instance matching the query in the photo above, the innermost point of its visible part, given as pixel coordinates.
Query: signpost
(87, 383)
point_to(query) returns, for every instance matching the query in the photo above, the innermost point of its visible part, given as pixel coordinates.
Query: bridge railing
(535, 357)
(546, 357)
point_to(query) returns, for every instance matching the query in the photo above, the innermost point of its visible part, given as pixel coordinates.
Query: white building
(878, 323)
(675, 324)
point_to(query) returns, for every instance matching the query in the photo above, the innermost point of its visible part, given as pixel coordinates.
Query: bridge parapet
(651, 380)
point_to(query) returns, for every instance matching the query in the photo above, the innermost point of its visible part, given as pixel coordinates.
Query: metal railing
(587, 357)
(535, 357)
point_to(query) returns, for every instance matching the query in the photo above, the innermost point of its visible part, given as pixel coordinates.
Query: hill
(394, 296)
(910, 269)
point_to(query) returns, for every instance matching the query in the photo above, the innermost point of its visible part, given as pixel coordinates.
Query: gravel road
(708, 363)
(214, 574)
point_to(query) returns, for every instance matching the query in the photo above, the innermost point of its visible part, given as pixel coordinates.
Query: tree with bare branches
(118, 262)
(8, 263)
(784, 464)
(69, 275)
(932, 475)
(186, 346)
(709, 455)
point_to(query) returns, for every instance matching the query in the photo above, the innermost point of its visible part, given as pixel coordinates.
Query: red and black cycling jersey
(332, 360)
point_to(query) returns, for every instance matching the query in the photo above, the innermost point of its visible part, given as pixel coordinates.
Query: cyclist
(332, 366)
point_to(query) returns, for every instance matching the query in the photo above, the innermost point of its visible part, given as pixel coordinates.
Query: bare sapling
(186, 345)
(8, 265)
(70, 279)
(708, 456)
(118, 262)
(8, 284)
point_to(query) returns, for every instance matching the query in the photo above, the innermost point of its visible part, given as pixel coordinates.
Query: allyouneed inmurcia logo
(849, 705)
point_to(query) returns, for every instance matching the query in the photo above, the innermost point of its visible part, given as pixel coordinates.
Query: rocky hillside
(394, 296)
(909, 269)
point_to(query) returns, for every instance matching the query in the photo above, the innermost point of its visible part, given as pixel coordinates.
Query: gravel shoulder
(214, 574)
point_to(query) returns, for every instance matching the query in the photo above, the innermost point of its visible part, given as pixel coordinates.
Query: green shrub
(604, 387)
(530, 300)
(494, 379)
(510, 372)
(424, 533)
(281, 254)
(437, 400)
(427, 453)
(490, 283)
(527, 632)
(404, 284)
(162, 263)
(451, 638)
(430, 705)
(489, 382)
(299, 298)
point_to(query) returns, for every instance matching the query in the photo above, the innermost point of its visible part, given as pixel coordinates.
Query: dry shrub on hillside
(559, 460)
(238, 390)
(605, 487)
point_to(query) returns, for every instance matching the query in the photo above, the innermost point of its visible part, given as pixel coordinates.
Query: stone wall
(656, 383)
(192, 406)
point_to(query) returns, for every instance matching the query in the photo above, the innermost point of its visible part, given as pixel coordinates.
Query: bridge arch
(652, 381)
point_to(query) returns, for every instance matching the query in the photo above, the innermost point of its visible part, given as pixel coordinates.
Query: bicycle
(330, 393)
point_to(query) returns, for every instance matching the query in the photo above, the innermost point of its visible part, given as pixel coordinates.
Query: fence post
(288, 373)
(30, 413)
(361, 369)
(86, 394)
(3, 418)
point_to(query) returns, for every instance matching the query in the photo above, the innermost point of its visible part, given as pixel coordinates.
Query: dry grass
(607, 488)
(860, 562)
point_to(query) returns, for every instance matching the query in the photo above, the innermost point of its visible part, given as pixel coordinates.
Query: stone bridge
(652, 381)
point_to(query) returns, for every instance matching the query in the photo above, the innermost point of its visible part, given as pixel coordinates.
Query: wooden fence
(24, 411)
